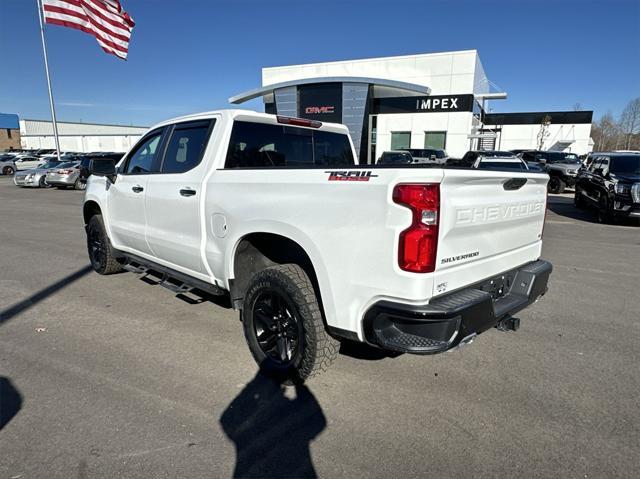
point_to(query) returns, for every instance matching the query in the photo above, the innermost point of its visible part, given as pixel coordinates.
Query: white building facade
(435, 100)
(79, 137)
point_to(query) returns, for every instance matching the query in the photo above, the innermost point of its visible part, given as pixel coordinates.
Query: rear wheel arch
(257, 251)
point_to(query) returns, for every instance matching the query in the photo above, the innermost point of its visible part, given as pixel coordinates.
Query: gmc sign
(319, 110)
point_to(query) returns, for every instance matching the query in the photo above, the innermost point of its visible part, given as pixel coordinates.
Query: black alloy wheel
(284, 326)
(104, 258)
(96, 247)
(277, 327)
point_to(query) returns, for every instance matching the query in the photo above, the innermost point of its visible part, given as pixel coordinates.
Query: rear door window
(186, 146)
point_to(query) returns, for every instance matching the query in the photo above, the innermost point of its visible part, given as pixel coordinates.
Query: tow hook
(508, 324)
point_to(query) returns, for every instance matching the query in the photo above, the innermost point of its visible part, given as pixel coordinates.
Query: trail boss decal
(453, 259)
(354, 175)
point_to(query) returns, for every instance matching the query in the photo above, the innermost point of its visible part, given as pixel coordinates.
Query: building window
(8, 133)
(436, 140)
(400, 140)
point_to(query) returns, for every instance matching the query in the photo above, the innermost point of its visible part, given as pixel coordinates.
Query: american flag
(104, 19)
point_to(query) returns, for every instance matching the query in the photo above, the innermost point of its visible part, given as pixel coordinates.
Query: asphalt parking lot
(116, 377)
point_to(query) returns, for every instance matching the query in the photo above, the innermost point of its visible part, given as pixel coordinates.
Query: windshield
(501, 165)
(496, 154)
(625, 165)
(69, 164)
(558, 157)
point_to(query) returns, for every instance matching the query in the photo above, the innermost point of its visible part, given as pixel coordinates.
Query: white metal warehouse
(79, 137)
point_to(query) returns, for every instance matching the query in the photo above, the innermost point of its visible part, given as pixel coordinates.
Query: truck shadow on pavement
(43, 294)
(10, 401)
(271, 431)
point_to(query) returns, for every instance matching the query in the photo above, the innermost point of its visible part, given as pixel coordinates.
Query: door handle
(137, 189)
(187, 192)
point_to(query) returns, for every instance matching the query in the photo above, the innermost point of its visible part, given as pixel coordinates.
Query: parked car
(54, 155)
(312, 247)
(430, 155)
(36, 177)
(500, 163)
(396, 158)
(7, 165)
(470, 157)
(611, 185)
(66, 175)
(561, 166)
(28, 162)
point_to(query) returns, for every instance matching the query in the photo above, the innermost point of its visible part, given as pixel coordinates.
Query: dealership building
(435, 100)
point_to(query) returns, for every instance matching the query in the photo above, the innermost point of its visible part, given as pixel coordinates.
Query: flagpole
(46, 69)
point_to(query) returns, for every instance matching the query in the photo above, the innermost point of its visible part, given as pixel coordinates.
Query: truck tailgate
(490, 222)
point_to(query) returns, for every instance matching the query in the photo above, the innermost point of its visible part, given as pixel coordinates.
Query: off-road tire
(578, 200)
(605, 215)
(106, 261)
(556, 185)
(317, 349)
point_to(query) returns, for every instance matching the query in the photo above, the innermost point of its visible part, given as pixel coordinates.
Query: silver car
(66, 175)
(36, 177)
(7, 165)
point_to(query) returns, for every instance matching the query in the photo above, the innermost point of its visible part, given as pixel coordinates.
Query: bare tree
(605, 133)
(577, 106)
(543, 133)
(630, 121)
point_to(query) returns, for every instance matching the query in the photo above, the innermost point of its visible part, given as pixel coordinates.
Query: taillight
(65, 172)
(419, 242)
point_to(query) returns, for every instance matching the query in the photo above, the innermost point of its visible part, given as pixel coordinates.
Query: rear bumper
(448, 320)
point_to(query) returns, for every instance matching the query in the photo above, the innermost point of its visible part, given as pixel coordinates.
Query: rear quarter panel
(349, 229)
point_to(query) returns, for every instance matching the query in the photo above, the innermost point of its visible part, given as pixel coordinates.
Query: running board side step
(174, 281)
(133, 268)
(177, 288)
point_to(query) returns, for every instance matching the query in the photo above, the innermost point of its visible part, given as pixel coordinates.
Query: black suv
(612, 185)
(561, 166)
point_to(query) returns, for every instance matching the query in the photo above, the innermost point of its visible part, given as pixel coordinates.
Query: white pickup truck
(311, 247)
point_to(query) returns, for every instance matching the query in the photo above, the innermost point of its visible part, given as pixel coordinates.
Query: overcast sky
(191, 55)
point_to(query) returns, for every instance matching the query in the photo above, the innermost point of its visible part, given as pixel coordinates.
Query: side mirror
(104, 168)
(542, 161)
(433, 157)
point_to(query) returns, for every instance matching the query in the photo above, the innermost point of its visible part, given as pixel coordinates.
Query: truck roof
(247, 115)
